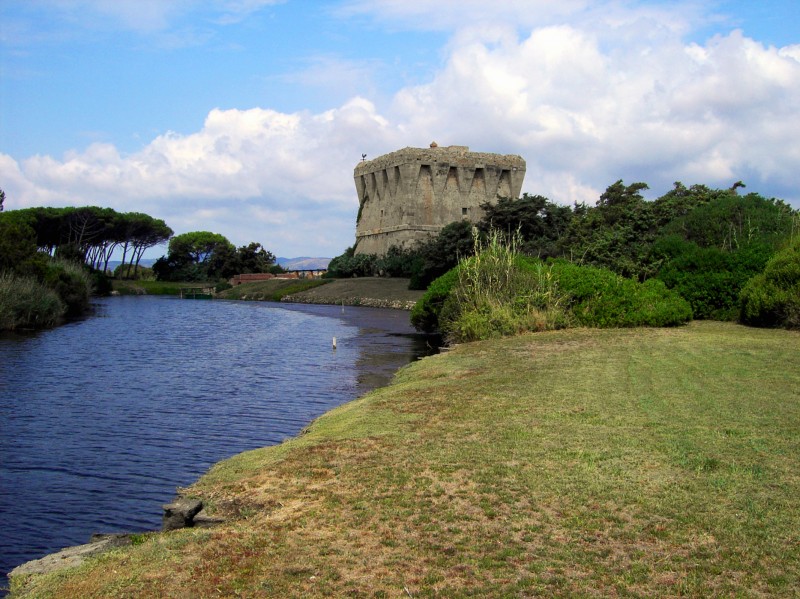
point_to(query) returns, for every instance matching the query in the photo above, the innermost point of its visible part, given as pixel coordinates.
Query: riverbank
(647, 462)
(373, 292)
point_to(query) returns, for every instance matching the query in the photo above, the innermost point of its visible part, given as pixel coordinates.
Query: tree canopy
(203, 256)
(90, 234)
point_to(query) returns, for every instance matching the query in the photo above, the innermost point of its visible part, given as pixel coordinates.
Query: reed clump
(497, 295)
(27, 303)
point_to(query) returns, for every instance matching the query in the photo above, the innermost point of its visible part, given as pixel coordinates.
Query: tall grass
(497, 296)
(27, 303)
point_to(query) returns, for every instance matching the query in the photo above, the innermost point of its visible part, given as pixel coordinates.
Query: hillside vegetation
(705, 244)
(498, 292)
(581, 462)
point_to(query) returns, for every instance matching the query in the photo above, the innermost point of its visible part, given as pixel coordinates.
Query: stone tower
(411, 194)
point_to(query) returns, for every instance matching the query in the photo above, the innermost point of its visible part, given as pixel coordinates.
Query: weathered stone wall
(411, 194)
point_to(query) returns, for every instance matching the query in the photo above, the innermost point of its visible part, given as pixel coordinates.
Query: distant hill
(304, 263)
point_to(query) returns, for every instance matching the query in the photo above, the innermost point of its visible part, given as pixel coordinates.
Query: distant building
(411, 194)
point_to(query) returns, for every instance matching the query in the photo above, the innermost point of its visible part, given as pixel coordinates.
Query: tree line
(705, 243)
(53, 259)
(87, 234)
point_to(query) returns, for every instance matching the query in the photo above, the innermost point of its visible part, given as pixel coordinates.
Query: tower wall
(411, 194)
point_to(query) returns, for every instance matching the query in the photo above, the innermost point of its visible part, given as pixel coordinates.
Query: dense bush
(730, 222)
(441, 253)
(709, 278)
(601, 298)
(399, 262)
(772, 298)
(425, 313)
(27, 303)
(72, 282)
(486, 296)
(351, 265)
(100, 283)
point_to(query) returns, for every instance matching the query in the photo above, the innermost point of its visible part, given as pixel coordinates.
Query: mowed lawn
(596, 463)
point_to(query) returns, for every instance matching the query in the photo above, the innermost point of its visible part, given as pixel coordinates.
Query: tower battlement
(411, 194)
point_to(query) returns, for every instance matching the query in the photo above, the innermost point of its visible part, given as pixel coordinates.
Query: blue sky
(246, 117)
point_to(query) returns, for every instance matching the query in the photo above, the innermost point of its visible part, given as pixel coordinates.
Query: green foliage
(17, 245)
(772, 298)
(425, 313)
(27, 303)
(538, 222)
(91, 233)
(399, 262)
(601, 298)
(730, 222)
(133, 273)
(351, 265)
(497, 293)
(101, 283)
(253, 257)
(441, 253)
(616, 234)
(31, 272)
(72, 282)
(195, 246)
(206, 256)
(709, 278)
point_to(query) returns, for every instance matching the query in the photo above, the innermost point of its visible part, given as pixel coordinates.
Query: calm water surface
(101, 419)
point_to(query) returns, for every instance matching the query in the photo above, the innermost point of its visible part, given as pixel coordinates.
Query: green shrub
(222, 286)
(439, 254)
(72, 283)
(399, 262)
(499, 293)
(541, 295)
(707, 277)
(600, 298)
(351, 265)
(491, 294)
(425, 313)
(772, 298)
(101, 283)
(27, 303)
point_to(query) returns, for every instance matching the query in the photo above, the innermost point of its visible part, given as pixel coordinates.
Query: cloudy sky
(247, 117)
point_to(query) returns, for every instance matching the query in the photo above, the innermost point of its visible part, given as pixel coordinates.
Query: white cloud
(577, 107)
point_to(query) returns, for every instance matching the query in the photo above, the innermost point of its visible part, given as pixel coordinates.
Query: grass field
(594, 463)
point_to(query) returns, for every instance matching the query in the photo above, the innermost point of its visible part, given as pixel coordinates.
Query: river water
(101, 419)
